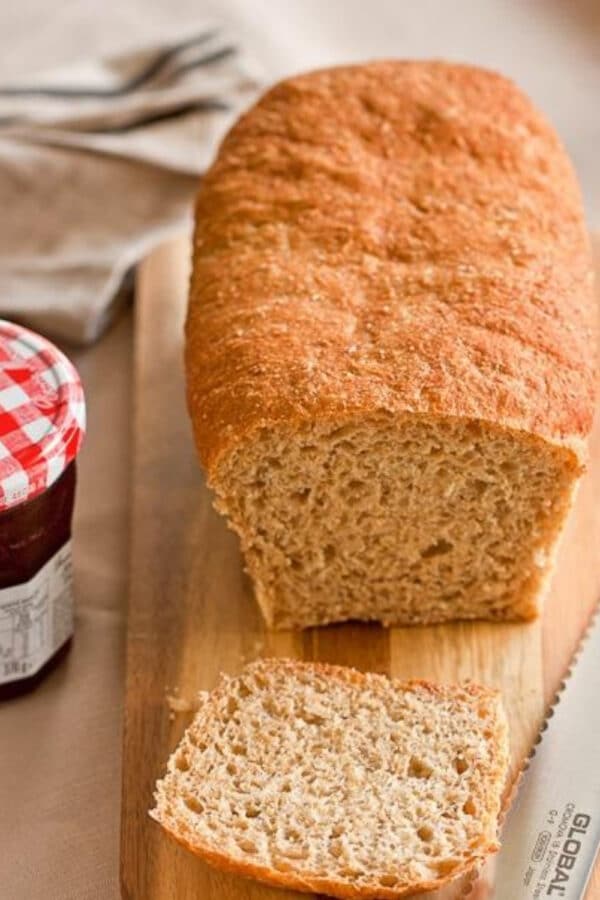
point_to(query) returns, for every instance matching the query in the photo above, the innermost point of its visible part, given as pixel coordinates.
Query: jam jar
(42, 424)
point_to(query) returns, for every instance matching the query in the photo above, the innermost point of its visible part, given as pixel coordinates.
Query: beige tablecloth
(60, 747)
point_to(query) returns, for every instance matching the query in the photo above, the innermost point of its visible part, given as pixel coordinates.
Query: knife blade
(551, 833)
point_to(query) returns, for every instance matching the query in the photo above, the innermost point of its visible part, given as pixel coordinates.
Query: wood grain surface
(192, 615)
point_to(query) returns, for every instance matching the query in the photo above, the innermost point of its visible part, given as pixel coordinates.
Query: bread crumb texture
(390, 345)
(321, 778)
(404, 523)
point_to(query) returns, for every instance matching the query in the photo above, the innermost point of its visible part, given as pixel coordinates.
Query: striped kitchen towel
(99, 162)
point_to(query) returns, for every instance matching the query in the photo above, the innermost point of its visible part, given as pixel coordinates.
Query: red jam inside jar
(42, 423)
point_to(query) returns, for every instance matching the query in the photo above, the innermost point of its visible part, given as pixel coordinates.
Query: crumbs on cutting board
(178, 704)
(255, 651)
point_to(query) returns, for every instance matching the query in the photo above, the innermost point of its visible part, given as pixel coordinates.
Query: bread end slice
(321, 778)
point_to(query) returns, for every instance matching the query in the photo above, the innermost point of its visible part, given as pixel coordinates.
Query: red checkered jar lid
(42, 414)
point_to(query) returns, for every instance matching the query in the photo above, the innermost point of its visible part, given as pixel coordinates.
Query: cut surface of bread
(321, 778)
(390, 346)
(408, 522)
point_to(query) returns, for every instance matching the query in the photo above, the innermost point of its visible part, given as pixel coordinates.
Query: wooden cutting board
(192, 615)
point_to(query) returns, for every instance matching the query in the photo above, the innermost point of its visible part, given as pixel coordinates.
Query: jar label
(36, 618)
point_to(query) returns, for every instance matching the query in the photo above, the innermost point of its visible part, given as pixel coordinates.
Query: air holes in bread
(418, 768)
(193, 804)
(425, 833)
(461, 765)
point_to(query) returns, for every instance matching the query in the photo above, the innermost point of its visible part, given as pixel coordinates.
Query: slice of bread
(321, 778)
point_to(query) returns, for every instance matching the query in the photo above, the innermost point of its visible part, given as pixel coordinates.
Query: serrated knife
(551, 833)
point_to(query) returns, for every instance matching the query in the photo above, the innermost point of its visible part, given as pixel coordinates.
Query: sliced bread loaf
(389, 351)
(321, 778)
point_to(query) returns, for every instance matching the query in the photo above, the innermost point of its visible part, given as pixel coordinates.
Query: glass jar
(42, 424)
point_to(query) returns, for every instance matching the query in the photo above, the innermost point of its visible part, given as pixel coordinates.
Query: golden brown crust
(391, 238)
(292, 881)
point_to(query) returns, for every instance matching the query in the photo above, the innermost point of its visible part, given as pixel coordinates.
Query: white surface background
(550, 47)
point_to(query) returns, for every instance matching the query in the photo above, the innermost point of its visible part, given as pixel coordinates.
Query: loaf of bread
(323, 779)
(389, 344)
